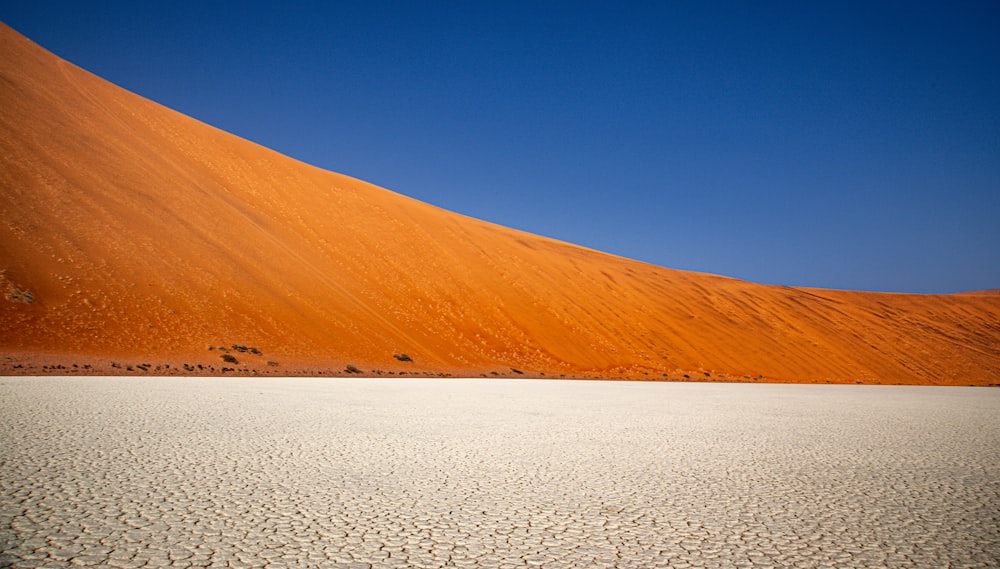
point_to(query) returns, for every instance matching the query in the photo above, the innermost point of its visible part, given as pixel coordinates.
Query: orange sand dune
(133, 233)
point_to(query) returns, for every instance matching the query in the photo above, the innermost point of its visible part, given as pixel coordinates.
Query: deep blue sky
(838, 144)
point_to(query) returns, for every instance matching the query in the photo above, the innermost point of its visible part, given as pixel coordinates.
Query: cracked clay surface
(359, 473)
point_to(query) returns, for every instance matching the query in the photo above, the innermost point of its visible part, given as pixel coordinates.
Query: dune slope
(131, 230)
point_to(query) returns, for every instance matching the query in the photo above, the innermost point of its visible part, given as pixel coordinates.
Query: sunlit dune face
(133, 232)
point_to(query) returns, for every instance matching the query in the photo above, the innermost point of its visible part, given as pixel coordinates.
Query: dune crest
(133, 231)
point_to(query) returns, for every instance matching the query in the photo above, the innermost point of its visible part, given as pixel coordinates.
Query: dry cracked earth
(358, 473)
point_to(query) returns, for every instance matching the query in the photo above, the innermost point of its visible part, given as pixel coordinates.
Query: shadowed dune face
(131, 230)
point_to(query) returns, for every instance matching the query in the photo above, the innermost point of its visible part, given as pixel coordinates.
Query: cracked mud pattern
(355, 473)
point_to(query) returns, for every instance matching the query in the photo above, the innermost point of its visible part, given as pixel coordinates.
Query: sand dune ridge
(139, 232)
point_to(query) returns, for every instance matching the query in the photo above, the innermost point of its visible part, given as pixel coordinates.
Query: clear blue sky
(836, 144)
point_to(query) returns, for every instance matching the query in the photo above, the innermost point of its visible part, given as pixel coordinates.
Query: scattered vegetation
(272, 363)
(241, 348)
(517, 371)
(351, 369)
(228, 357)
(402, 357)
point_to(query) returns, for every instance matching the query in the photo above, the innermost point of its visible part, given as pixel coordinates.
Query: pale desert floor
(254, 472)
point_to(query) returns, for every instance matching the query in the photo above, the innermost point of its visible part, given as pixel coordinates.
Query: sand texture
(132, 233)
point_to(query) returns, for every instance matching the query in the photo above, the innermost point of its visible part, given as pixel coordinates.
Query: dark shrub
(18, 295)
(228, 358)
